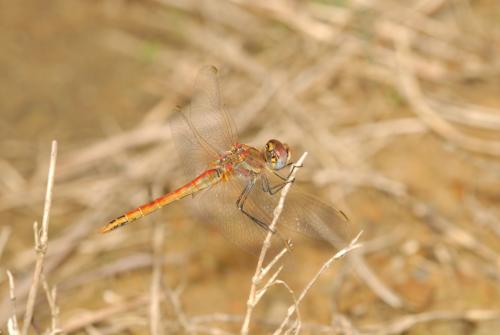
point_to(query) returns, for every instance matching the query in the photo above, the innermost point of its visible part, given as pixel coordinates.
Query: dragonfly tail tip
(105, 229)
(120, 221)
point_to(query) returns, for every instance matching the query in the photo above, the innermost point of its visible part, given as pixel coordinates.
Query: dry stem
(51, 295)
(253, 296)
(4, 237)
(411, 89)
(41, 241)
(404, 323)
(341, 253)
(318, 93)
(104, 314)
(12, 326)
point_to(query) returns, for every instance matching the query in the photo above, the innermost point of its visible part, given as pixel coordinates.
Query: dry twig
(51, 295)
(411, 89)
(103, 315)
(406, 322)
(291, 310)
(41, 242)
(174, 298)
(4, 237)
(254, 295)
(12, 325)
(347, 51)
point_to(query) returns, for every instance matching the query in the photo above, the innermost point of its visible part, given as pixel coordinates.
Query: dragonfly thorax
(242, 160)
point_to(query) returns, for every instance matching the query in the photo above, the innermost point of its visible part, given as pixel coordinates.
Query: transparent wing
(207, 114)
(218, 206)
(302, 213)
(194, 157)
(306, 214)
(203, 130)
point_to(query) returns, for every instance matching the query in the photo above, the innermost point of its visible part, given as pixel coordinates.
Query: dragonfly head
(277, 154)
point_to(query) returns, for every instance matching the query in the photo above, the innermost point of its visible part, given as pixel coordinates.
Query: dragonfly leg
(266, 185)
(294, 166)
(241, 202)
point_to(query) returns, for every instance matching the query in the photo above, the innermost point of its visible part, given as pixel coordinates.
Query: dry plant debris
(396, 103)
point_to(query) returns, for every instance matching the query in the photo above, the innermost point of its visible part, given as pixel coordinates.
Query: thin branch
(257, 277)
(382, 290)
(173, 296)
(130, 263)
(4, 237)
(41, 241)
(271, 264)
(341, 253)
(66, 244)
(51, 295)
(12, 325)
(104, 314)
(270, 282)
(411, 89)
(407, 322)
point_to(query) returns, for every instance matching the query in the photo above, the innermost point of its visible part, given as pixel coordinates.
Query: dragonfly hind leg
(241, 202)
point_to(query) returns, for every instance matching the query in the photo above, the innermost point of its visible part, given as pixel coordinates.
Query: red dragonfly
(238, 184)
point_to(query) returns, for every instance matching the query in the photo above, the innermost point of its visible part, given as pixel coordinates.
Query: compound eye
(276, 154)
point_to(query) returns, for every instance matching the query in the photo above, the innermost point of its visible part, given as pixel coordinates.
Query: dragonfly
(236, 186)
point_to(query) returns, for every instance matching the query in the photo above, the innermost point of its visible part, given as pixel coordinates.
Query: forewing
(206, 113)
(203, 130)
(193, 154)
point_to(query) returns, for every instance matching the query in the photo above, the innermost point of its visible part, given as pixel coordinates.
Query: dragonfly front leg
(272, 190)
(241, 202)
(294, 166)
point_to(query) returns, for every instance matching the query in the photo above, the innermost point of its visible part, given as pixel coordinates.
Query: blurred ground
(397, 105)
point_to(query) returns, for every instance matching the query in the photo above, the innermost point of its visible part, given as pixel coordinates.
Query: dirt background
(397, 103)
